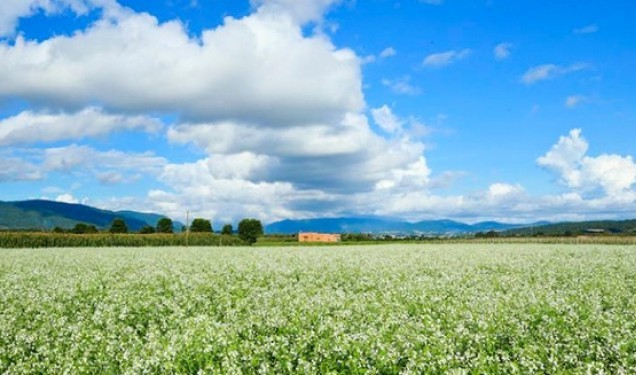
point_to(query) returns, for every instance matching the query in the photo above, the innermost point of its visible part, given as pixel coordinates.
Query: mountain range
(383, 225)
(44, 214)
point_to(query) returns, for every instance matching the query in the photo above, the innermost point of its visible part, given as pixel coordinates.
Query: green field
(439, 308)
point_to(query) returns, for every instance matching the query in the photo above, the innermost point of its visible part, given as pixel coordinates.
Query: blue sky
(471, 110)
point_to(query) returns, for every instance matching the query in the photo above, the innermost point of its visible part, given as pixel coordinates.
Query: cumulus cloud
(568, 159)
(384, 117)
(259, 69)
(438, 60)
(31, 127)
(306, 156)
(278, 113)
(502, 51)
(201, 188)
(549, 71)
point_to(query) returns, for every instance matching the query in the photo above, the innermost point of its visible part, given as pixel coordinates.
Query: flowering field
(475, 308)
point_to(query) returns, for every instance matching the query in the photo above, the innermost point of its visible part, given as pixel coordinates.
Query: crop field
(437, 308)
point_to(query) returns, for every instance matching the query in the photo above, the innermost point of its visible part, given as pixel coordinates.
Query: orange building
(318, 237)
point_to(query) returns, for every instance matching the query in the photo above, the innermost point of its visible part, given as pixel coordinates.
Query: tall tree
(165, 225)
(201, 226)
(249, 230)
(227, 230)
(118, 226)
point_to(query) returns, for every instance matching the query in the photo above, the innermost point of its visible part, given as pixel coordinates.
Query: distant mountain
(43, 214)
(576, 228)
(382, 225)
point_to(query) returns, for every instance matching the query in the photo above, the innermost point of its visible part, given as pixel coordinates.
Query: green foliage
(148, 229)
(165, 225)
(389, 309)
(249, 230)
(118, 226)
(489, 234)
(227, 230)
(81, 228)
(624, 227)
(357, 237)
(200, 225)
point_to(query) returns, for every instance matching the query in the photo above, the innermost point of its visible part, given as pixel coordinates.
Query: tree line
(248, 230)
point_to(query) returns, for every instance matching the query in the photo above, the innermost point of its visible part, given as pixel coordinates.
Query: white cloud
(388, 52)
(589, 29)
(66, 198)
(205, 188)
(259, 69)
(574, 100)
(565, 156)
(278, 113)
(14, 169)
(384, 117)
(438, 60)
(302, 11)
(306, 155)
(502, 51)
(402, 86)
(31, 127)
(86, 163)
(613, 174)
(549, 71)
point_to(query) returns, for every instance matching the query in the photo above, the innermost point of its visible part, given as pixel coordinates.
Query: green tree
(148, 229)
(118, 226)
(201, 226)
(249, 230)
(227, 230)
(165, 225)
(81, 228)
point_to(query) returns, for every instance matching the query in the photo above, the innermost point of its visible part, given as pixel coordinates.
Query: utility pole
(187, 226)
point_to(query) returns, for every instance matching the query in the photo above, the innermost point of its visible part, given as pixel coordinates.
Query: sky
(284, 109)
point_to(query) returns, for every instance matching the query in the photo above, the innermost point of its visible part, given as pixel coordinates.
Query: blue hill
(382, 225)
(44, 214)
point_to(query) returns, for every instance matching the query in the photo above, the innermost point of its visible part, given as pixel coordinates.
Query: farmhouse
(318, 237)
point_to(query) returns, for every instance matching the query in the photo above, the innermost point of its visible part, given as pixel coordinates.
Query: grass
(437, 308)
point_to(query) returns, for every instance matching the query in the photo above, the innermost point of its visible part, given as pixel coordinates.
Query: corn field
(14, 240)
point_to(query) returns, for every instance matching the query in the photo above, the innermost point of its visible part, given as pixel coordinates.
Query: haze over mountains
(43, 214)
(383, 225)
